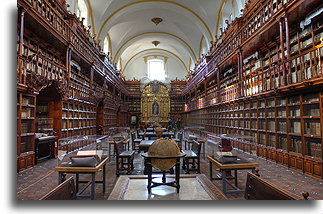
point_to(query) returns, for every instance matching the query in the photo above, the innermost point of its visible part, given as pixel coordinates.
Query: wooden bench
(258, 188)
(64, 191)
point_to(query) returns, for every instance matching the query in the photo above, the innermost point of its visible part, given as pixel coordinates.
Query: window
(106, 47)
(156, 70)
(82, 11)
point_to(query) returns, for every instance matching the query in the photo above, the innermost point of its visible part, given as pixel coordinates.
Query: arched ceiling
(131, 31)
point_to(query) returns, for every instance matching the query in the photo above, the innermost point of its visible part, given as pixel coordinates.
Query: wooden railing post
(240, 70)
(289, 75)
(68, 63)
(21, 43)
(281, 37)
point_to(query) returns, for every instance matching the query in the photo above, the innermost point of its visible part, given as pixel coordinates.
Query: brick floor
(37, 181)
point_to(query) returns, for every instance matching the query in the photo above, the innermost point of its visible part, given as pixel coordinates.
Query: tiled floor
(36, 182)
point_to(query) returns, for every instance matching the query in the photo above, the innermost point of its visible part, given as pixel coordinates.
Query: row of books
(296, 145)
(315, 150)
(313, 127)
(27, 101)
(295, 112)
(26, 127)
(27, 112)
(42, 108)
(310, 110)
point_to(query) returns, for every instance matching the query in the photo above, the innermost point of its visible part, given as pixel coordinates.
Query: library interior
(169, 100)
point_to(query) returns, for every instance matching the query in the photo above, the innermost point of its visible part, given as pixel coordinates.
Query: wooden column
(21, 43)
(92, 77)
(205, 87)
(289, 75)
(218, 85)
(68, 62)
(240, 69)
(281, 36)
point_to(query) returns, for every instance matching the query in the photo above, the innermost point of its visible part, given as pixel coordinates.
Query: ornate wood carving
(37, 82)
(155, 103)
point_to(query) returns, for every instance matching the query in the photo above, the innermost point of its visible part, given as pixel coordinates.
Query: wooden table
(123, 191)
(65, 169)
(153, 134)
(240, 164)
(153, 129)
(145, 144)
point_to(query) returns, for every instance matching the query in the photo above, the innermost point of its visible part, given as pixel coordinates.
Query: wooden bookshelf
(26, 111)
(284, 125)
(61, 59)
(264, 80)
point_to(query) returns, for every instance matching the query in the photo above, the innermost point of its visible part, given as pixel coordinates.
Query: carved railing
(56, 16)
(53, 16)
(266, 10)
(304, 68)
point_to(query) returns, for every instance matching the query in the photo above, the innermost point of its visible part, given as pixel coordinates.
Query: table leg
(224, 187)
(104, 176)
(59, 177)
(77, 182)
(178, 163)
(236, 178)
(109, 150)
(204, 150)
(149, 175)
(211, 178)
(93, 186)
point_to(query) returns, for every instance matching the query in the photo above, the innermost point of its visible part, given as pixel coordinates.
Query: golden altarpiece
(155, 103)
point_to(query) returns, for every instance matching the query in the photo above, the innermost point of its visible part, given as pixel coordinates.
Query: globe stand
(155, 182)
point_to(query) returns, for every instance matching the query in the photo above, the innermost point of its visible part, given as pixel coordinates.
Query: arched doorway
(100, 118)
(48, 121)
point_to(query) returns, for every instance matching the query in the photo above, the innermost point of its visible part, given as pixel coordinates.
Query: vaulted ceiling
(185, 32)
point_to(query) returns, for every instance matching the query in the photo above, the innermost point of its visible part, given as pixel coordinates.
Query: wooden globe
(155, 124)
(163, 148)
(159, 131)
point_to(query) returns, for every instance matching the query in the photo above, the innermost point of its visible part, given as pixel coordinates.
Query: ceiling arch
(186, 30)
(155, 49)
(124, 45)
(164, 1)
(238, 6)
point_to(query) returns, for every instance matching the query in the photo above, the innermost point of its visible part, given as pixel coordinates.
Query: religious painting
(155, 88)
(155, 108)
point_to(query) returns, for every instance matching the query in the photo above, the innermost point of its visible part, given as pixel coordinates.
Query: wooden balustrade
(259, 18)
(54, 15)
(281, 64)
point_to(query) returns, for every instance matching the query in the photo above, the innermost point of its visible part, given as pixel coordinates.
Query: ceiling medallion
(156, 20)
(156, 43)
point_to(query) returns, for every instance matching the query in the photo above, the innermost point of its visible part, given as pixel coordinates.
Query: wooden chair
(124, 158)
(258, 188)
(126, 144)
(192, 158)
(179, 139)
(135, 142)
(64, 191)
(202, 141)
(225, 145)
